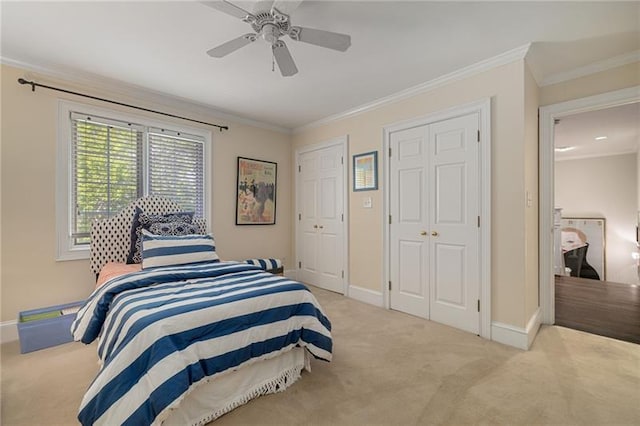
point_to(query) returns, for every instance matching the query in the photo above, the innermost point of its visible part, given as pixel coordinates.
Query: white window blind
(109, 169)
(106, 159)
(176, 168)
(106, 170)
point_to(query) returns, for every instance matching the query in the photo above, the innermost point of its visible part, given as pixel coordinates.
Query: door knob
(315, 226)
(423, 232)
(321, 227)
(434, 233)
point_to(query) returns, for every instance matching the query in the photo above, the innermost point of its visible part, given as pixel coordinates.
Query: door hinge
(389, 285)
(389, 219)
(478, 221)
(299, 265)
(299, 169)
(478, 135)
(341, 160)
(478, 305)
(389, 151)
(342, 217)
(299, 216)
(342, 274)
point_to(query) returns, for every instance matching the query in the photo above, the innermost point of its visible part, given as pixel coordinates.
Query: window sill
(77, 253)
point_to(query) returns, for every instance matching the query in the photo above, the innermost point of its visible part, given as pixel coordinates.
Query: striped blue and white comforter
(165, 329)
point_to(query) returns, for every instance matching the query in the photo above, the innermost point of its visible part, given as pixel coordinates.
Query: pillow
(266, 264)
(142, 220)
(172, 228)
(115, 269)
(167, 250)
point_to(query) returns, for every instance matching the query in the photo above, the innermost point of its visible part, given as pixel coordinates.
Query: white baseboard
(8, 331)
(365, 295)
(533, 326)
(292, 274)
(518, 337)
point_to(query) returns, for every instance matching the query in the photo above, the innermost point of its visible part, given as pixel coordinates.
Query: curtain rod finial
(23, 81)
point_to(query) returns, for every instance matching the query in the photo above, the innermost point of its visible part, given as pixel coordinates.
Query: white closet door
(434, 233)
(308, 224)
(409, 249)
(321, 183)
(454, 236)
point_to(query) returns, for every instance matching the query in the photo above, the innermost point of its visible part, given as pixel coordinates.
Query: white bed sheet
(211, 400)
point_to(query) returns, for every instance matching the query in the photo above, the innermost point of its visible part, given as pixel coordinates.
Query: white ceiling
(160, 46)
(620, 125)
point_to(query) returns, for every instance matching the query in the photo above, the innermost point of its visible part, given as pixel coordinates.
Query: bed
(183, 342)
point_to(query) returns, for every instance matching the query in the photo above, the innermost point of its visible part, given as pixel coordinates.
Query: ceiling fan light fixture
(270, 33)
(565, 148)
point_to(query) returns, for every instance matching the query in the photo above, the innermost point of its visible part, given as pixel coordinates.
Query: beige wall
(594, 84)
(505, 86)
(531, 92)
(30, 275)
(28, 182)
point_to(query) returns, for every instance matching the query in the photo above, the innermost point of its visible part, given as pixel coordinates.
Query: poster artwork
(256, 196)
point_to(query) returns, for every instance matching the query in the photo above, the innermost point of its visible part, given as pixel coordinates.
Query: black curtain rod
(34, 84)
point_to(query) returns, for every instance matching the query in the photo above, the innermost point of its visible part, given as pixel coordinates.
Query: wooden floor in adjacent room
(599, 307)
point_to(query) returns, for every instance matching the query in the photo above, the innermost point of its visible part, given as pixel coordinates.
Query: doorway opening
(589, 213)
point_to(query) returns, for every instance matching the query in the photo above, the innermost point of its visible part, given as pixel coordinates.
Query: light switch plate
(366, 203)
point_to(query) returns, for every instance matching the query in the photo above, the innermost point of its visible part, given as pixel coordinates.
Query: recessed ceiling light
(601, 138)
(564, 148)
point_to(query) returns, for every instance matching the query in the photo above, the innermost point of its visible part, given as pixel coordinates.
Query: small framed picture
(365, 171)
(256, 192)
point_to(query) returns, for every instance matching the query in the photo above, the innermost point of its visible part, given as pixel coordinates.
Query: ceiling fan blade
(286, 6)
(261, 6)
(284, 59)
(232, 45)
(328, 39)
(229, 8)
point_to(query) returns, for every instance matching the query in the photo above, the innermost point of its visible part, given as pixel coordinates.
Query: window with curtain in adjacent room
(107, 160)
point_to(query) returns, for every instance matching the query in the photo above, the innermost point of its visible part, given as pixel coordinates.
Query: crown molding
(130, 90)
(507, 57)
(596, 67)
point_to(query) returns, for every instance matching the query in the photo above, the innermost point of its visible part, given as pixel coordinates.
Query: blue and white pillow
(142, 220)
(167, 250)
(266, 264)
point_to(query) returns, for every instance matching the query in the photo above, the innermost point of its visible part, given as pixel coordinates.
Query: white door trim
(342, 141)
(548, 114)
(483, 108)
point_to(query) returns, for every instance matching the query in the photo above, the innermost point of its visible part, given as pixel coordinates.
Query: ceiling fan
(271, 25)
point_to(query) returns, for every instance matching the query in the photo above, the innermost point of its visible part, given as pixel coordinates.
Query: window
(176, 168)
(107, 160)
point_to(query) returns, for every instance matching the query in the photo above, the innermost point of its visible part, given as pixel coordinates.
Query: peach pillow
(116, 269)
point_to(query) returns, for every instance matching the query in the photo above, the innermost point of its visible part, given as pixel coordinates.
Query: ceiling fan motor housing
(271, 25)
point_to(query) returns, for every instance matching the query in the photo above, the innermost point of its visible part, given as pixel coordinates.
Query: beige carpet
(389, 368)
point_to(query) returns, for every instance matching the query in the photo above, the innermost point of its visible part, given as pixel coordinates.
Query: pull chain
(273, 62)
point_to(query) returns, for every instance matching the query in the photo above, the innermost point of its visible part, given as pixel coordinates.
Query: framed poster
(365, 171)
(591, 231)
(256, 192)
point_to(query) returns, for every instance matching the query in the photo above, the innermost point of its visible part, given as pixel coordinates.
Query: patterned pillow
(167, 250)
(173, 228)
(142, 220)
